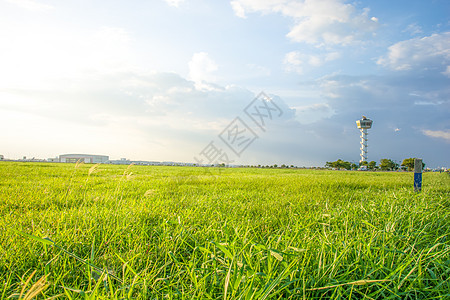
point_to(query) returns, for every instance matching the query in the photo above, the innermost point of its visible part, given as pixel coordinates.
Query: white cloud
(420, 54)
(112, 34)
(413, 29)
(201, 69)
(308, 114)
(447, 72)
(41, 56)
(175, 3)
(332, 56)
(315, 61)
(31, 5)
(327, 22)
(295, 61)
(238, 9)
(259, 5)
(259, 70)
(440, 134)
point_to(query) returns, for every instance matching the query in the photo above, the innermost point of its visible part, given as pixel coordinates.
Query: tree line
(386, 164)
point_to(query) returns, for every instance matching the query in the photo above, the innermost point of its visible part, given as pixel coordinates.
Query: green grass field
(137, 232)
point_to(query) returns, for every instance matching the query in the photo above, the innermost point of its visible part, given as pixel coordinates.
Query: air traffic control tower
(363, 125)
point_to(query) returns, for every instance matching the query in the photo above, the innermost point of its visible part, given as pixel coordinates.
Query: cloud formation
(431, 53)
(41, 56)
(440, 134)
(328, 22)
(295, 61)
(201, 70)
(163, 111)
(113, 84)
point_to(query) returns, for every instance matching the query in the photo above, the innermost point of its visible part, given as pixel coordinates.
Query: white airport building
(86, 158)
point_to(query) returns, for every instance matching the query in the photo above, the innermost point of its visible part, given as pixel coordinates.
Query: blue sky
(162, 79)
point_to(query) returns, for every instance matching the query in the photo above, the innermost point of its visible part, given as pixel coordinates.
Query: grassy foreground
(134, 232)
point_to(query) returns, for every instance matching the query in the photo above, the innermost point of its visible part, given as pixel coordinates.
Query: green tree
(339, 164)
(388, 165)
(372, 165)
(363, 163)
(408, 163)
(346, 165)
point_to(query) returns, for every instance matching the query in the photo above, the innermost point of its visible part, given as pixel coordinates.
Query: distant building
(86, 158)
(122, 161)
(53, 159)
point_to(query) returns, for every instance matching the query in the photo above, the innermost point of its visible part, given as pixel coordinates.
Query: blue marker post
(417, 174)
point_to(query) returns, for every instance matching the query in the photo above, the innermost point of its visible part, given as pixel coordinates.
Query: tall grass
(118, 232)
